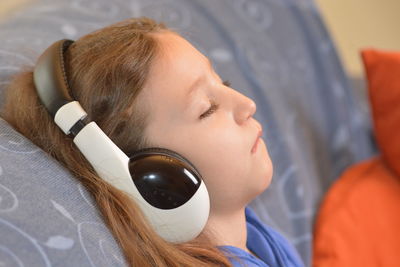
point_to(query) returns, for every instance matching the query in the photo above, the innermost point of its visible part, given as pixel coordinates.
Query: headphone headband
(166, 186)
(50, 74)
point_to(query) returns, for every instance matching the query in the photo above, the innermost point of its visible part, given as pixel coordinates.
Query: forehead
(176, 57)
(174, 69)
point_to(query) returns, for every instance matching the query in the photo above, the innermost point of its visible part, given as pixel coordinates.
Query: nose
(244, 109)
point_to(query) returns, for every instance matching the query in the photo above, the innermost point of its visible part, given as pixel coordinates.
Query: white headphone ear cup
(174, 223)
(165, 179)
(183, 223)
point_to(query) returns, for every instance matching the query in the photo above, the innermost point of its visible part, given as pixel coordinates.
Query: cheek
(233, 175)
(218, 148)
(222, 161)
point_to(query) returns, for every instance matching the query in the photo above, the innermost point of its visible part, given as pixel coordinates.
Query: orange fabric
(358, 223)
(383, 73)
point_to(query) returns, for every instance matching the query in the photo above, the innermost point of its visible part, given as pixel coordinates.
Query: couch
(277, 52)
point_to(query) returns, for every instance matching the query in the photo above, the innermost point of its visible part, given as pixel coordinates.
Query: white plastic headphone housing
(112, 164)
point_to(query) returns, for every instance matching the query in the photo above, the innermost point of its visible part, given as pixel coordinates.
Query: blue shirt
(270, 246)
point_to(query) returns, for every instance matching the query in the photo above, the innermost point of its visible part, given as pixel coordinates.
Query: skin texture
(181, 87)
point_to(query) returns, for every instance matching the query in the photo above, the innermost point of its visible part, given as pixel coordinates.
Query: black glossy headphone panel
(163, 181)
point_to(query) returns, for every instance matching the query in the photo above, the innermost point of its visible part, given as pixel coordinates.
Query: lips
(254, 148)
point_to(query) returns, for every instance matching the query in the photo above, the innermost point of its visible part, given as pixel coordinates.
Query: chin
(267, 168)
(258, 189)
(265, 176)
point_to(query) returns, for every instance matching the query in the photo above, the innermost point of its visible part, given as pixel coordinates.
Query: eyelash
(214, 107)
(210, 111)
(227, 83)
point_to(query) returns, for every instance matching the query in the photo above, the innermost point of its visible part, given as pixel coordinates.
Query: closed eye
(214, 106)
(210, 111)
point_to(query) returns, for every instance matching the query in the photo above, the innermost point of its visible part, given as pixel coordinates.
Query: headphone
(166, 186)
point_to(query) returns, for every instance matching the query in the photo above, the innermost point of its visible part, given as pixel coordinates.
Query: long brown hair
(106, 70)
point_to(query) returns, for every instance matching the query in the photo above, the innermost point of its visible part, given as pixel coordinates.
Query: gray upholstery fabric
(274, 51)
(46, 217)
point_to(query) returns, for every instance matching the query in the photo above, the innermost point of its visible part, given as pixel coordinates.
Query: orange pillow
(358, 223)
(383, 73)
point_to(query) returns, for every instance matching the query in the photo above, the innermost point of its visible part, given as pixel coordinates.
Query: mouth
(254, 148)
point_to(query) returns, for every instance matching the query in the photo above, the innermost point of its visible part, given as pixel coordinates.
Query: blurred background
(353, 25)
(360, 24)
(8, 6)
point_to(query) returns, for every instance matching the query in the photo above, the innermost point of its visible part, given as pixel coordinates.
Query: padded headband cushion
(50, 77)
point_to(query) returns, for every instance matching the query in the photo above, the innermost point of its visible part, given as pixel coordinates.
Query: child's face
(181, 86)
